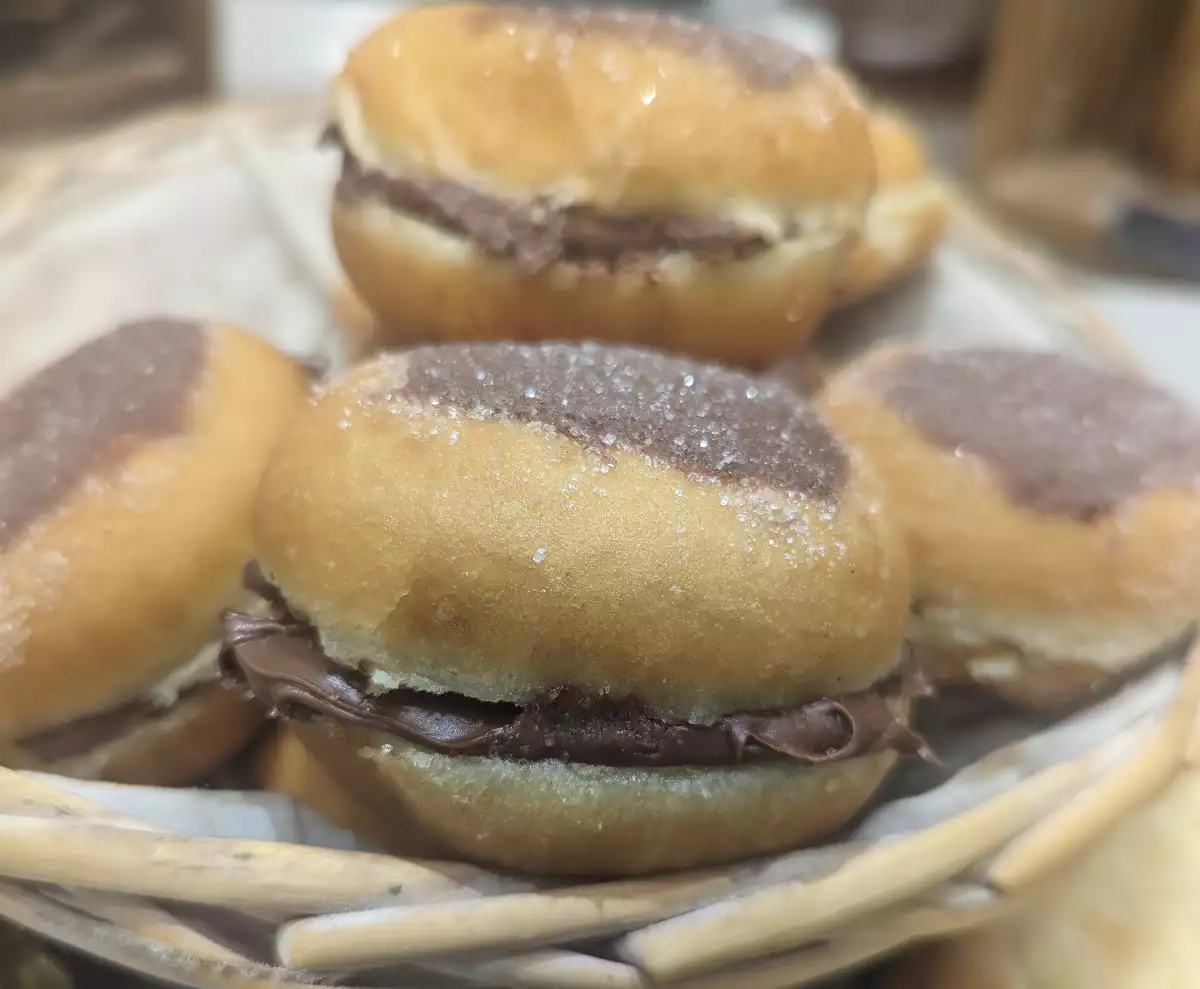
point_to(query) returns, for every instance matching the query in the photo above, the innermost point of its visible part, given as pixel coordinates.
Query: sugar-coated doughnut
(1053, 511)
(127, 476)
(637, 612)
(529, 173)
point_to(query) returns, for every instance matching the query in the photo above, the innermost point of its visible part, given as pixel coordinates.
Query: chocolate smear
(78, 737)
(280, 661)
(1065, 438)
(539, 233)
(709, 422)
(85, 411)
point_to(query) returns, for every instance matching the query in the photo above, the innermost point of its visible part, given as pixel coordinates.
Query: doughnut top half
(762, 63)
(706, 421)
(1065, 437)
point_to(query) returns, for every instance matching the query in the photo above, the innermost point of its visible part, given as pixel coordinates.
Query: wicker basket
(222, 212)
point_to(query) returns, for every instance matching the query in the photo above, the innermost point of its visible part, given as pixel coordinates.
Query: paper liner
(222, 214)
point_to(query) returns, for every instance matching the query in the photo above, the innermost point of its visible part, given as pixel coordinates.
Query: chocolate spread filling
(1066, 438)
(78, 737)
(280, 662)
(711, 423)
(762, 63)
(86, 409)
(538, 234)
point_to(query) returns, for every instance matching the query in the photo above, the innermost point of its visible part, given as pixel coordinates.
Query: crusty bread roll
(602, 596)
(906, 217)
(1126, 917)
(287, 765)
(128, 473)
(546, 173)
(1053, 511)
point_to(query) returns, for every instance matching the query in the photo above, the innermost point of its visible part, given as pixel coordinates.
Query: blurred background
(1075, 121)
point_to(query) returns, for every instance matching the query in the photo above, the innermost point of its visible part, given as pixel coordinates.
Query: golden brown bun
(496, 557)
(286, 765)
(1038, 607)
(527, 102)
(611, 111)
(905, 219)
(1126, 917)
(198, 735)
(424, 286)
(554, 818)
(121, 582)
(358, 323)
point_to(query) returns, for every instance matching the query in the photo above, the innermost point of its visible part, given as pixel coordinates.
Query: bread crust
(553, 818)
(498, 558)
(613, 112)
(121, 582)
(1040, 608)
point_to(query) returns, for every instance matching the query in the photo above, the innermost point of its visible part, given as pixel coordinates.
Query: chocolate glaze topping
(81, 413)
(538, 234)
(763, 63)
(1066, 438)
(78, 737)
(709, 422)
(280, 662)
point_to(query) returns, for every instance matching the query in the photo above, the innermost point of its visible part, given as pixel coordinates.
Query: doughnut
(637, 612)
(1052, 508)
(545, 173)
(127, 477)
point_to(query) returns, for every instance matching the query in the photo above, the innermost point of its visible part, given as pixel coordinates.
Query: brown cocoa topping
(84, 411)
(78, 737)
(763, 63)
(1064, 437)
(710, 422)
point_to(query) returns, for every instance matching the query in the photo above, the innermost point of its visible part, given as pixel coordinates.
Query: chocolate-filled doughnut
(636, 612)
(127, 474)
(541, 172)
(1053, 511)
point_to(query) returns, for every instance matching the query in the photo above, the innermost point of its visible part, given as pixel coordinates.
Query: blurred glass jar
(908, 35)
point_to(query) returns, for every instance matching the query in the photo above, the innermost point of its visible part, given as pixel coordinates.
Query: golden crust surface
(200, 734)
(496, 557)
(427, 286)
(535, 102)
(122, 581)
(991, 577)
(551, 818)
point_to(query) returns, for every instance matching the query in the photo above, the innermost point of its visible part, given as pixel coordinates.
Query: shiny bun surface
(1052, 507)
(623, 176)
